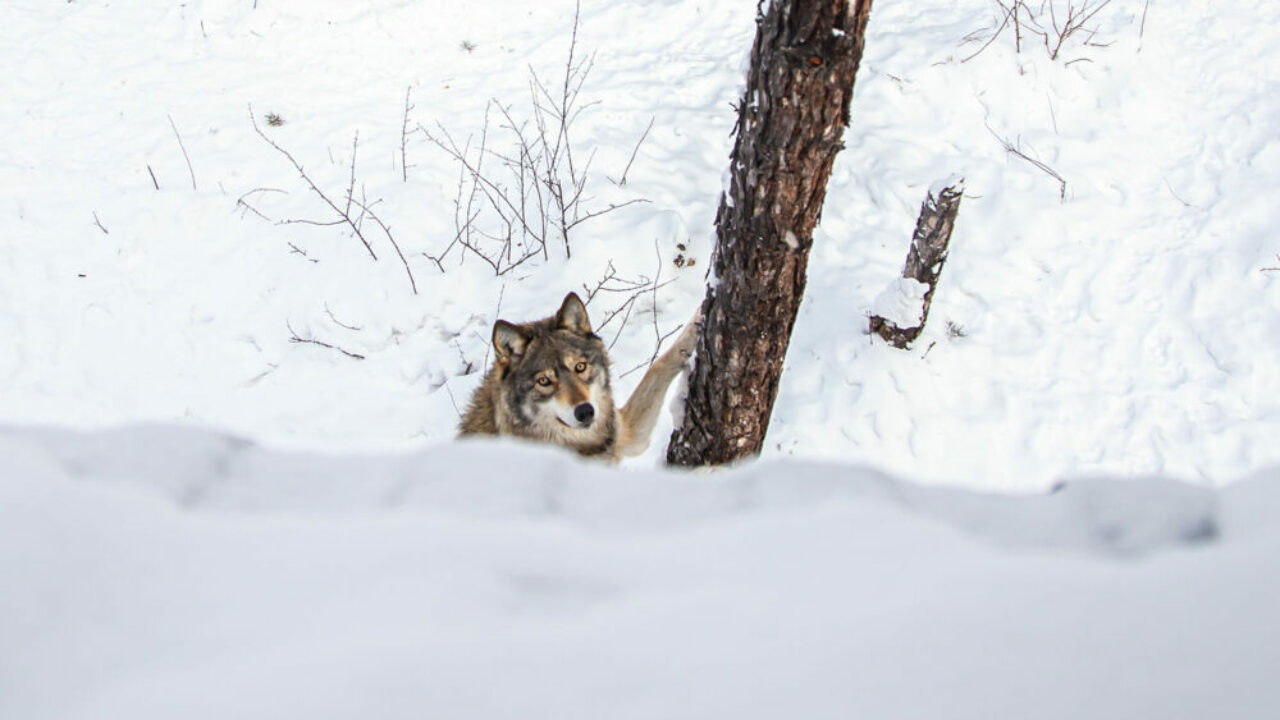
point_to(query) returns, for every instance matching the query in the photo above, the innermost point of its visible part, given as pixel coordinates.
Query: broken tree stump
(899, 313)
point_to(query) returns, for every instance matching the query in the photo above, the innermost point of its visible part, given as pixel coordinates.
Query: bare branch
(657, 346)
(611, 283)
(386, 230)
(295, 338)
(1019, 15)
(606, 211)
(1016, 149)
(294, 249)
(351, 184)
(534, 190)
(338, 322)
(639, 290)
(243, 202)
(496, 195)
(1008, 14)
(623, 180)
(404, 135)
(184, 155)
(635, 289)
(497, 313)
(343, 216)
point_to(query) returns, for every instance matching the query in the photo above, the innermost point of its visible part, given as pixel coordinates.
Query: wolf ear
(508, 340)
(573, 315)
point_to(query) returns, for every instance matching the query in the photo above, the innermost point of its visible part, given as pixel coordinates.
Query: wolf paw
(688, 339)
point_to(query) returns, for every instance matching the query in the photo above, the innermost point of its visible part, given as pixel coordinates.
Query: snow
(1126, 327)
(156, 572)
(954, 181)
(901, 303)
(1061, 502)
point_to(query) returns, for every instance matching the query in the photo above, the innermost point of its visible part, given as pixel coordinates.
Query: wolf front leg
(640, 413)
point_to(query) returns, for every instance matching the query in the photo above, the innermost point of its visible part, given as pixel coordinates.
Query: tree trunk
(902, 310)
(790, 123)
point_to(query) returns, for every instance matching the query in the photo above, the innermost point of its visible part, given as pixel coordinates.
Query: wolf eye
(580, 367)
(544, 381)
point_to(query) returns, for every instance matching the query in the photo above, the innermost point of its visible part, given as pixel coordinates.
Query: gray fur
(510, 400)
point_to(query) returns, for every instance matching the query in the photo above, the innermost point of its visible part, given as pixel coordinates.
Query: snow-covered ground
(161, 573)
(201, 516)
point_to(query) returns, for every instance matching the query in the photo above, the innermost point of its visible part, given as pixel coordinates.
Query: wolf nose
(584, 413)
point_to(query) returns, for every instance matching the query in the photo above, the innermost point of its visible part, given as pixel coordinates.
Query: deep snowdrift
(161, 573)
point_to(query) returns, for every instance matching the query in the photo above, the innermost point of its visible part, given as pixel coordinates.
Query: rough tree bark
(928, 253)
(790, 123)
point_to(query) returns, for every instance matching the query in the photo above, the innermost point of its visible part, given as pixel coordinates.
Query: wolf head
(555, 378)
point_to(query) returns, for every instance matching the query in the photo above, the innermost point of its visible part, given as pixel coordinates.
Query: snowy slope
(159, 573)
(1120, 322)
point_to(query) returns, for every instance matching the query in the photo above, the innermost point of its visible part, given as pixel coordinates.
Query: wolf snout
(584, 413)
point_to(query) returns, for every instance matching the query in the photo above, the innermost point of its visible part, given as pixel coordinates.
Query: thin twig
(98, 222)
(295, 338)
(1019, 15)
(583, 218)
(462, 355)
(154, 182)
(1175, 194)
(497, 314)
(351, 183)
(404, 134)
(1017, 151)
(242, 202)
(510, 210)
(1077, 16)
(338, 322)
(386, 230)
(452, 400)
(344, 217)
(657, 251)
(1017, 8)
(628, 305)
(619, 285)
(184, 154)
(499, 200)
(623, 180)
(317, 223)
(993, 37)
(538, 194)
(650, 361)
(658, 335)
(625, 308)
(295, 250)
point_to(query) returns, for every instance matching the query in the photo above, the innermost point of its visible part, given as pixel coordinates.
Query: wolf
(550, 382)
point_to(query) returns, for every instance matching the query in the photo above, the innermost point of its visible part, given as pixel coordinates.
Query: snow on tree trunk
(790, 123)
(900, 312)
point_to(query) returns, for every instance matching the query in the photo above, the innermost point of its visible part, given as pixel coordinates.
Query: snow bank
(159, 573)
(1122, 327)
